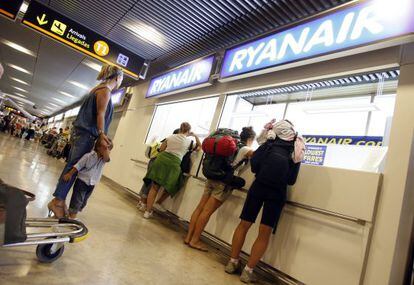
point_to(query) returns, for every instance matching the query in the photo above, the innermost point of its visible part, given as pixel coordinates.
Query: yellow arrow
(42, 21)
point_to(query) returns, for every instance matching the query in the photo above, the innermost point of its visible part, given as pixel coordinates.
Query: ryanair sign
(358, 25)
(344, 140)
(192, 75)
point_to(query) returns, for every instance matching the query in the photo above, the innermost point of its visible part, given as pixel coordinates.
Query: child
(89, 170)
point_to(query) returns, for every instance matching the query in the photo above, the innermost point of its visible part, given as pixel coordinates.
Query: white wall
(319, 247)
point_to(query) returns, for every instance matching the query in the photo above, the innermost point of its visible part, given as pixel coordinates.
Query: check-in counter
(324, 231)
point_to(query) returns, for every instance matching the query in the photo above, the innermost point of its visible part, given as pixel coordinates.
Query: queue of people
(227, 154)
(275, 164)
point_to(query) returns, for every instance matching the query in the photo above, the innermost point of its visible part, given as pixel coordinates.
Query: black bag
(259, 156)
(13, 202)
(186, 162)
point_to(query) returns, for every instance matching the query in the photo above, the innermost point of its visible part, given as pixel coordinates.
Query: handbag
(186, 162)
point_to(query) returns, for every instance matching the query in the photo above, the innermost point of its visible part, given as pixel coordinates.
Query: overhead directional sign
(192, 75)
(55, 25)
(358, 25)
(10, 8)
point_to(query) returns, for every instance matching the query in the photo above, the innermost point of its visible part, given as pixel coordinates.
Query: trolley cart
(51, 241)
(50, 235)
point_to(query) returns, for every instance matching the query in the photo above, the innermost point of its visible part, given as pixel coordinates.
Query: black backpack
(13, 202)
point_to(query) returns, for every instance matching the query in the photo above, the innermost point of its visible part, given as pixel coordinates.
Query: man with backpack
(225, 151)
(276, 165)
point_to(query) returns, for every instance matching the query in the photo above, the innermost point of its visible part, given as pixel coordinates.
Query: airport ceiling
(167, 32)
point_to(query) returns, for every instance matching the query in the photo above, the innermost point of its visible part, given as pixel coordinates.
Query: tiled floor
(122, 248)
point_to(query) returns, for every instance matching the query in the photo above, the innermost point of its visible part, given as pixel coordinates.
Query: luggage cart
(51, 244)
(50, 235)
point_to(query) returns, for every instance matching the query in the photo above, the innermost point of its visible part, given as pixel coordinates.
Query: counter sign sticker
(51, 23)
(315, 154)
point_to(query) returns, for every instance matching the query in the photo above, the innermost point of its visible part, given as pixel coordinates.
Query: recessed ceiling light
(58, 100)
(18, 47)
(146, 33)
(19, 68)
(19, 80)
(93, 65)
(20, 94)
(20, 99)
(67, 94)
(20, 89)
(77, 84)
(24, 7)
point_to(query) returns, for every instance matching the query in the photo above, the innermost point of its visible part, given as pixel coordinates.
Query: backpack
(298, 153)
(152, 150)
(186, 162)
(220, 150)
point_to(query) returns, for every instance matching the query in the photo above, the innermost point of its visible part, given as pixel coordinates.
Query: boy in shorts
(89, 172)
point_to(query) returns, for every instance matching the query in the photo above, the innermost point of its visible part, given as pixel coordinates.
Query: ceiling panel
(168, 32)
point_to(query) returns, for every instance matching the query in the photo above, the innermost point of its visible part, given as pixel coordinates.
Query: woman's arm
(163, 146)
(102, 99)
(198, 142)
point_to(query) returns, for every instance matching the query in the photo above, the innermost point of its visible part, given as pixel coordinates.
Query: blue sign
(357, 25)
(192, 75)
(346, 140)
(315, 154)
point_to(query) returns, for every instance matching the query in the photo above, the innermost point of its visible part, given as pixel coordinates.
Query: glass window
(239, 112)
(168, 117)
(345, 116)
(378, 122)
(59, 117)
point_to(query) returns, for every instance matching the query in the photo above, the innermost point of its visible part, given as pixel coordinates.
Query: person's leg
(239, 237)
(76, 200)
(151, 196)
(260, 245)
(163, 197)
(88, 192)
(195, 216)
(211, 206)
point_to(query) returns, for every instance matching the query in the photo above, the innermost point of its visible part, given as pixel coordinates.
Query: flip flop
(203, 249)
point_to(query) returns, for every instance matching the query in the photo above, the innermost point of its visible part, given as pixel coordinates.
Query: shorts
(218, 190)
(80, 196)
(272, 201)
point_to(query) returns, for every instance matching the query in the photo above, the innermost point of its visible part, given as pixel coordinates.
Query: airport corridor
(122, 247)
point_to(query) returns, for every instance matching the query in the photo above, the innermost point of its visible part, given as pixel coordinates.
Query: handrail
(139, 161)
(303, 206)
(290, 203)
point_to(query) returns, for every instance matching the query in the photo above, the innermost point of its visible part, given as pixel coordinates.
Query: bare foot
(199, 246)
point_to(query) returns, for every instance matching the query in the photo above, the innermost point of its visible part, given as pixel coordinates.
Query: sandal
(57, 208)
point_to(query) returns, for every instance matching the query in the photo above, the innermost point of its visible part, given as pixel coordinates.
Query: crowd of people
(226, 155)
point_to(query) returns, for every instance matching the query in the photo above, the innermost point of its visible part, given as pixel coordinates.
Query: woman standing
(93, 120)
(274, 170)
(216, 193)
(166, 170)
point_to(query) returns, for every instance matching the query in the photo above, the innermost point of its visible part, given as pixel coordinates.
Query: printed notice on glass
(315, 154)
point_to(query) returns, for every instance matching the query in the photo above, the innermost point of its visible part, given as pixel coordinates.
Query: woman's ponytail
(108, 72)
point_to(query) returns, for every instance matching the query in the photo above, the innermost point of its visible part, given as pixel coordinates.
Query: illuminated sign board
(10, 8)
(48, 22)
(117, 97)
(344, 140)
(193, 75)
(358, 25)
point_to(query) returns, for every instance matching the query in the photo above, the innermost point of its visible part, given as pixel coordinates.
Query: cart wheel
(45, 253)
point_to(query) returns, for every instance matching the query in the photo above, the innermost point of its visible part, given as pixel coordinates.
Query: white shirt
(90, 168)
(240, 156)
(178, 145)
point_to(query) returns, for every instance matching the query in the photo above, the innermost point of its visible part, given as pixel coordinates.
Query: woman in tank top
(93, 120)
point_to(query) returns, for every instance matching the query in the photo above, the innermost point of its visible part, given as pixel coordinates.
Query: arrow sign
(42, 21)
